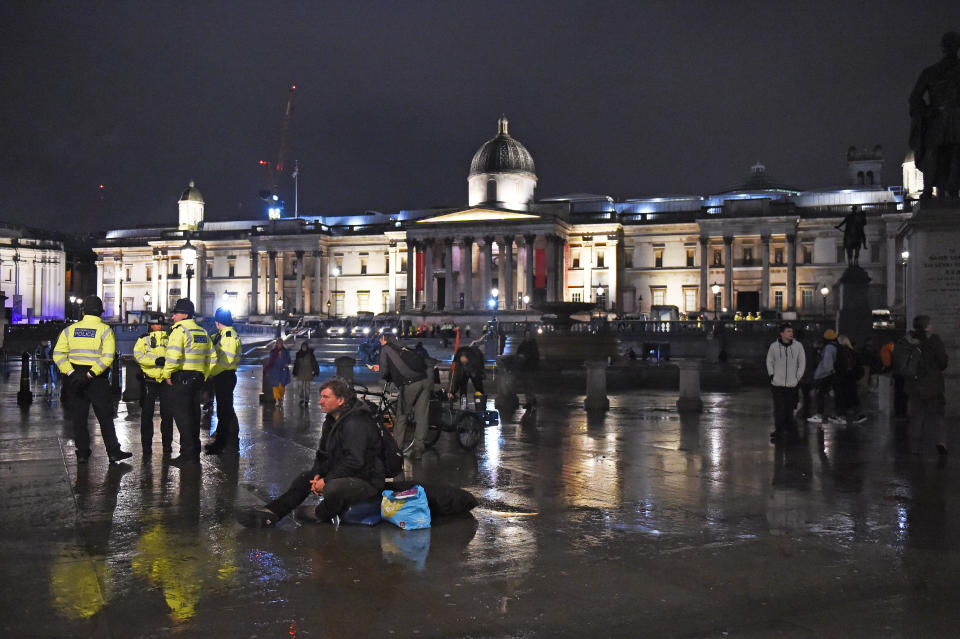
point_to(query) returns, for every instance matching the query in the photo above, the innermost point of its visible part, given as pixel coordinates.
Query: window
(748, 256)
(386, 265)
(691, 256)
(126, 274)
(690, 300)
(402, 303)
(658, 258)
(778, 255)
(575, 258)
(385, 301)
(231, 268)
(176, 269)
(149, 274)
(778, 300)
(363, 267)
(717, 257)
(576, 297)
(807, 254)
(338, 304)
(363, 301)
(209, 269)
(403, 263)
(628, 257)
(659, 296)
(600, 261)
(806, 299)
(338, 262)
(717, 301)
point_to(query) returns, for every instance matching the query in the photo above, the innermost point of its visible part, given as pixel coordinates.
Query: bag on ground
(407, 509)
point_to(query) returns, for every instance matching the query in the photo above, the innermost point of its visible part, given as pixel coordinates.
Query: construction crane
(272, 195)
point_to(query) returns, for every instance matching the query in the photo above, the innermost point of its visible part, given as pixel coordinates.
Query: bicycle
(467, 424)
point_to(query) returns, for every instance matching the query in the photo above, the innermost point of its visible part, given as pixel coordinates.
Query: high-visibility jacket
(148, 348)
(226, 351)
(89, 342)
(188, 349)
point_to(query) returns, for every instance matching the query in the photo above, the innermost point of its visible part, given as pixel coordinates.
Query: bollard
(596, 386)
(506, 401)
(266, 390)
(345, 366)
(115, 375)
(690, 401)
(24, 395)
(133, 388)
(885, 394)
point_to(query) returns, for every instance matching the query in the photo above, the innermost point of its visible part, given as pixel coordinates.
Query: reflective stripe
(176, 349)
(86, 351)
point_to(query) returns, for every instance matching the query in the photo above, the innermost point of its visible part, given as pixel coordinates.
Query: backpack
(907, 359)
(846, 361)
(412, 360)
(390, 453)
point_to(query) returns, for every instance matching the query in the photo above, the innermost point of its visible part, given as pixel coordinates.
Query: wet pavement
(635, 523)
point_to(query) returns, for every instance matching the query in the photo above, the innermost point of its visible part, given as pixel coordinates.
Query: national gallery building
(756, 246)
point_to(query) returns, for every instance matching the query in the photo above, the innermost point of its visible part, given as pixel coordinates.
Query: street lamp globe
(715, 288)
(147, 298)
(73, 299)
(825, 291)
(526, 300)
(335, 272)
(905, 255)
(188, 254)
(495, 292)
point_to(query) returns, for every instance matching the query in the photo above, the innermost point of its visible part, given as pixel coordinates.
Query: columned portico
(487, 266)
(428, 283)
(411, 275)
(299, 294)
(271, 282)
(791, 272)
(528, 255)
(254, 303)
(704, 272)
(450, 289)
(765, 272)
(728, 271)
(316, 302)
(466, 270)
(506, 258)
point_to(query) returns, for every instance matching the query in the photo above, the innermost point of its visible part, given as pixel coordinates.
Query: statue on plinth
(935, 122)
(854, 237)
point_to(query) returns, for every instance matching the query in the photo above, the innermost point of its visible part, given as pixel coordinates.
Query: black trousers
(337, 495)
(461, 388)
(228, 426)
(152, 393)
(185, 398)
(784, 403)
(95, 393)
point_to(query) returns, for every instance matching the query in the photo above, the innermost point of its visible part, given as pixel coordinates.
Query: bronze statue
(854, 237)
(935, 122)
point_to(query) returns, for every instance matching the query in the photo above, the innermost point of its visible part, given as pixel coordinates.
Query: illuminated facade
(762, 244)
(33, 271)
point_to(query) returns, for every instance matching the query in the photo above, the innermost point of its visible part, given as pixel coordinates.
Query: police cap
(184, 306)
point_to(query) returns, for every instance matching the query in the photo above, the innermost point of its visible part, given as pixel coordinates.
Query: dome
(191, 194)
(502, 154)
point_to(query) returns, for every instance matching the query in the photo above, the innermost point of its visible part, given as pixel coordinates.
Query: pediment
(479, 215)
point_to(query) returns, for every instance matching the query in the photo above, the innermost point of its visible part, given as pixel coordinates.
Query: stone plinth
(933, 283)
(689, 400)
(596, 386)
(855, 318)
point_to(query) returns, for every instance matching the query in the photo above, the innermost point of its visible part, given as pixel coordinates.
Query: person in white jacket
(785, 365)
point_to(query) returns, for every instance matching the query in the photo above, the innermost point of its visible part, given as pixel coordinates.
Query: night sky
(628, 99)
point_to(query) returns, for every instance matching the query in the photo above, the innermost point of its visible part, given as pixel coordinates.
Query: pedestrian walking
(407, 369)
(186, 364)
(305, 369)
(785, 365)
(921, 358)
(84, 353)
(226, 352)
(824, 378)
(149, 352)
(278, 371)
(849, 371)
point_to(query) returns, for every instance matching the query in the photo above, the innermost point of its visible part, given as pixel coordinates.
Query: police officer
(185, 368)
(84, 353)
(149, 352)
(226, 358)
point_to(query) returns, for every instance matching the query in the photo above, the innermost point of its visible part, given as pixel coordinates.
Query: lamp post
(526, 308)
(715, 289)
(824, 291)
(189, 256)
(904, 259)
(336, 274)
(147, 298)
(73, 306)
(493, 302)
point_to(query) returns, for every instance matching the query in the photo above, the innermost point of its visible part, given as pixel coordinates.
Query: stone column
(586, 262)
(728, 272)
(765, 274)
(164, 299)
(528, 255)
(271, 282)
(391, 278)
(117, 310)
(411, 275)
(487, 268)
(561, 261)
(552, 268)
(428, 275)
(792, 272)
(466, 270)
(200, 276)
(613, 294)
(891, 269)
(316, 301)
(451, 285)
(254, 306)
(506, 258)
(299, 297)
(704, 273)
(281, 295)
(155, 284)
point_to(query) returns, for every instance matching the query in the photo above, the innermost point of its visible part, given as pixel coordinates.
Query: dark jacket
(933, 361)
(305, 365)
(529, 354)
(392, 368)
(473, 367)
(350, 446)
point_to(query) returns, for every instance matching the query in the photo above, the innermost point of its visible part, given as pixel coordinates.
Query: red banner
(420, 270)
(540, 268)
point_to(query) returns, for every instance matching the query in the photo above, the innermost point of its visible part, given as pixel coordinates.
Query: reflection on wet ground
(634, 522)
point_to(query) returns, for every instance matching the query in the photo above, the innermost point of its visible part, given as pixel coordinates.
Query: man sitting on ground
(348, 467)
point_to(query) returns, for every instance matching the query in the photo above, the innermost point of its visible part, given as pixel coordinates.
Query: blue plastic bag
(362, 513)
(408, 509)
